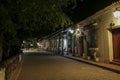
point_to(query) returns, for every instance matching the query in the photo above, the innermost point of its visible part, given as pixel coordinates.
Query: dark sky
(87, 8)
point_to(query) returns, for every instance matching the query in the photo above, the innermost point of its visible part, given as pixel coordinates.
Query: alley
(50, 67)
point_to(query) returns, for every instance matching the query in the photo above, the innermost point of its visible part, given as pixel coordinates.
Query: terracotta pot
(88, 57)
(97, 59)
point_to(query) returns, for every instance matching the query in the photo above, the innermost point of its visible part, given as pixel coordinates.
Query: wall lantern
(71, 30)
(79, 32)
(116, 13)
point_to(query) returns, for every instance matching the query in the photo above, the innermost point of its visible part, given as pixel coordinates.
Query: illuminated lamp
(116, 14)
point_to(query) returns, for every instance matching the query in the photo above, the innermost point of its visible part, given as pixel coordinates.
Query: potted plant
(97, 59)
(88, 57)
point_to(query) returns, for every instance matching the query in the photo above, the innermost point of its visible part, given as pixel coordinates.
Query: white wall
(2, 74)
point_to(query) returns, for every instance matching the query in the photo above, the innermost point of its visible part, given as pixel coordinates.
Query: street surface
(50, 67)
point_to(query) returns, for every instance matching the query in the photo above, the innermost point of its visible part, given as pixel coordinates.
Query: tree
(23, 19)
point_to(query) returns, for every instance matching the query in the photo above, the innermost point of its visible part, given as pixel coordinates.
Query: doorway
(116, 46)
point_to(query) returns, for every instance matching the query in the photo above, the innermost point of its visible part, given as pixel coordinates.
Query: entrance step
(116, 63)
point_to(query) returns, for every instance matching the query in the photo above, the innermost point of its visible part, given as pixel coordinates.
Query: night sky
(87, 8)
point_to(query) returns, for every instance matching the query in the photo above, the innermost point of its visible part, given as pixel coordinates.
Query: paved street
(47, 67)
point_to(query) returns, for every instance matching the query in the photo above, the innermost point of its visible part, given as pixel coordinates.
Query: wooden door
(116, 46)
(81, 47)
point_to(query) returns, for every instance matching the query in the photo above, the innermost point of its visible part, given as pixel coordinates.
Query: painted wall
(103, 18)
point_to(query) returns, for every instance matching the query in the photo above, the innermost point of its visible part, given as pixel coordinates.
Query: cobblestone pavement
(46, 67)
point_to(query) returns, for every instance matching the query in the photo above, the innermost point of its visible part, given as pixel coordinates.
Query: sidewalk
(16, 72)
(111, 67)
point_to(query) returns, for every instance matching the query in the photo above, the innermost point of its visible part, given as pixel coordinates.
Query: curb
(98, 65)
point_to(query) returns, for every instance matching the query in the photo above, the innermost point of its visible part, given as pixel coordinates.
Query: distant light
(38, 44)
(78, 33)
(31, 44)
(116, 14)
(24, 41)
(71, 31)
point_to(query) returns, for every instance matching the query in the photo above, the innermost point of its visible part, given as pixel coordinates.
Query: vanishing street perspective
(59, 39)
(37, 66)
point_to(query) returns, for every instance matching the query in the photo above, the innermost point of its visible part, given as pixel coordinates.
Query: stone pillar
(59, 44)
(62, 46)
(78, 46)
(2, 73)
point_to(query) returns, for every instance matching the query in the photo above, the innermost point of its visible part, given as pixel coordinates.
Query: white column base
(2, 74)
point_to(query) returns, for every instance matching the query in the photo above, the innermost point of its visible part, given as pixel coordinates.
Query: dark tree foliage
(86, 8)
(23, 19)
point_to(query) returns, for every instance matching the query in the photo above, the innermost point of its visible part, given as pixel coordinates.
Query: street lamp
(71, 30)
(116, 14)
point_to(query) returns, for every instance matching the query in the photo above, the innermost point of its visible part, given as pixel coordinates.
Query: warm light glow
(38, 44)
(117, 14)
(31, 44)
(24, 41)
(71, 31)
(78, 32)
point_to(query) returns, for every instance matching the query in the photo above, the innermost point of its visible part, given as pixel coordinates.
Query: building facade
(96, 38)
(101, 35)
